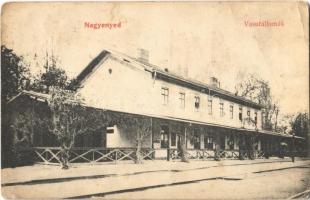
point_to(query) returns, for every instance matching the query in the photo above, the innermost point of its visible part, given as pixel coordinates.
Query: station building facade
(204, 114)
(182, 111)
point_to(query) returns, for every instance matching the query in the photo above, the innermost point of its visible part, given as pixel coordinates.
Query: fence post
(168, 154)
(116, 151)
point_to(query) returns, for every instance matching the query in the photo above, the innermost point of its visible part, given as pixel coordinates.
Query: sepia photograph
(155, 100)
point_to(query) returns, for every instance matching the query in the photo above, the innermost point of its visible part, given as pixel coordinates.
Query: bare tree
(143, 129)
(69, 118)
(258, 90)
(142, 126)
(182, 147)
(249, 121)
(285, 122)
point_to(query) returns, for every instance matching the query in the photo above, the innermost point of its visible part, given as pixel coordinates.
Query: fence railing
(50, 155)
(210, 154)
(190, 154)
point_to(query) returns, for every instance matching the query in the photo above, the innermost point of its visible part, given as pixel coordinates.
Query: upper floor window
(165, 95)
(255, 117)
(264, 118)
(210, 106)
(182, 99)
(240, 113)
(249, 114)
(197, 102)
(231, 111)
(221, 108)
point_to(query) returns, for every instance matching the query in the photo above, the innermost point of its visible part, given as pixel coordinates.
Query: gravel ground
(167, 179)
(271, 185)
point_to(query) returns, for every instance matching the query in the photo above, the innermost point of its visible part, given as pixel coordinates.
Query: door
(222, 142)
(174, 139)
(196, 139)
(164, 137)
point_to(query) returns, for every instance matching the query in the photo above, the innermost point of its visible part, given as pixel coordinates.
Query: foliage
(285, 124)
(53, 76)
(73, 84)
(14, 74)
(22, 127)
(141, 125)
(258, 90)
(69, 118)
(250, 121)
(300, 125)
(14, 78)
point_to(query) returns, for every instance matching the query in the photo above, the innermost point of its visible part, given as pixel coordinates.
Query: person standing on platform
(293, 148)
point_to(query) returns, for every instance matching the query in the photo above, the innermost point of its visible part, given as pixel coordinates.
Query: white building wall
(124, 138)
(118, 86)
(116, 140)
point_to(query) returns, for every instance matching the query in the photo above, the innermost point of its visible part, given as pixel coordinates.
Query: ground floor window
(208, 142)
(164, 132)
(257, 144)
(173, 139)
(222, 142)
(230, 142)
(196, 139)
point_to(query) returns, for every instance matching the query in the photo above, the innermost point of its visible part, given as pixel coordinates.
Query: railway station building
(206, 116)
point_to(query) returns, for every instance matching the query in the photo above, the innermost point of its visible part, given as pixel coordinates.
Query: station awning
(45, 96)
(211, 124)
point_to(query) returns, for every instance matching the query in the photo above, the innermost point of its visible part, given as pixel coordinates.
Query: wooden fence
(203, 154)
(51, 155)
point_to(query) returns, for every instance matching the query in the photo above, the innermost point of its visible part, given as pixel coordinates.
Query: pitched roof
(90, 67)
(168, 76)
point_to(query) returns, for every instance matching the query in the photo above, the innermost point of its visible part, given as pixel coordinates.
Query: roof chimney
(143, 55)
(214, 82)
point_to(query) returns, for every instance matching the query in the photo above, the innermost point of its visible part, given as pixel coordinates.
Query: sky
(205, 39)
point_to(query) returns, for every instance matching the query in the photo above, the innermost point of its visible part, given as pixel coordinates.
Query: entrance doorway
(164, 135)
(174, 139)
(196, 139)
(222, 142)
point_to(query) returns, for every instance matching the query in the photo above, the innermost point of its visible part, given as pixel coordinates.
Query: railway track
(302, 195)
(74, 178)
(235, 177)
